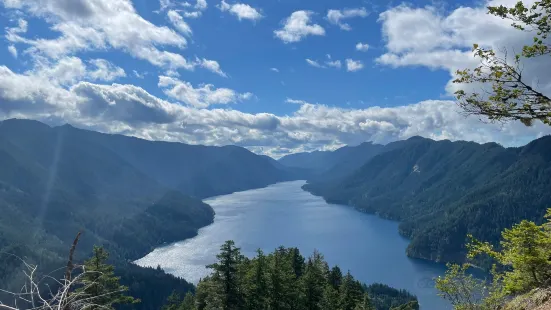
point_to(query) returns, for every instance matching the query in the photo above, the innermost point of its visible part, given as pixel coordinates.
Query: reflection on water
(284, 214)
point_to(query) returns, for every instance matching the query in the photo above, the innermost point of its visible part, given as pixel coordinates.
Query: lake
(284, 214)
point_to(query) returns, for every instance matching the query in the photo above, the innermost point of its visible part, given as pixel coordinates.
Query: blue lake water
(284, 214)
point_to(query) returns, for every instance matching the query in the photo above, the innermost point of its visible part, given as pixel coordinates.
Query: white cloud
(354, 65)
(298, 26)
(314, 63)
(296, 101)
(139, 75)
(179, 23)
(274, 70)
(105, 71)
(130, 110)
(362, 47)
(427, 37)
(201, 97)
(336, 17)
(242, 11)
(211, 65)
(100, 25)
(334, 63)
(13, 51)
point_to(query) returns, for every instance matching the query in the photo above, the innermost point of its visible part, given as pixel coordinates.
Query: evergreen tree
(282, 291)
(226, 273)
(173, 302)
(256, 283)
(188, 303)
(335, 277)
(365, 303)
(298, 262)
(351, 292)
(99, 285)
(313, 281)
(330, 299)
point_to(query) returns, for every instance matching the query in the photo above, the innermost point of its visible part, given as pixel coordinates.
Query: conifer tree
(226, 273)
(99, 283)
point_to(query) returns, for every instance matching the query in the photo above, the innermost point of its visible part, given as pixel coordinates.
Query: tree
(256, 283)
(99, 283)
(226, 273)
(522, 264)
(173, 301)
(351, 292)
(512, 97)
(460, 288)
(335, 277)
(188, 303)
(313, 281)
(412, 305)
(525, 252)
(330, 299)
(365, 304)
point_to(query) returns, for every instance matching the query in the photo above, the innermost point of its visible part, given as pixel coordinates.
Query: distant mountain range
(439, 190)
(126, 193)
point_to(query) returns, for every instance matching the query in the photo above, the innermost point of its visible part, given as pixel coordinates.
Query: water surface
(284, 214)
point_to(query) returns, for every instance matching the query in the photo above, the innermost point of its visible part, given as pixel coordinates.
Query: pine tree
(173, 302)
(335, 277)
(330, 299)
(188, 303)
(256, 283)
(365, 304)
(313, 281)
(351, 292)
(99, 285)
(226, 273)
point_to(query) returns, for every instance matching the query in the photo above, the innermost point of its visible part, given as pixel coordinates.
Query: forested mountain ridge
(56, 181)
(324, 165)
(443, 190)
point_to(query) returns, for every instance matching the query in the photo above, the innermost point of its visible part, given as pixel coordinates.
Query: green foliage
(442, 190)
(99, 284)
(522, 265)
(284, 280)
(511, 97)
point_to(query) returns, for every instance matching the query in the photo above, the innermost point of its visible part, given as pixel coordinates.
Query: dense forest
(56, 181)
(443, 190)
(284, 279)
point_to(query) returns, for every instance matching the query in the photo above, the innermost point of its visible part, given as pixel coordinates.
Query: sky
(274, 76)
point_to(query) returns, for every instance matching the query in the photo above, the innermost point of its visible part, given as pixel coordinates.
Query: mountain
(441, 190)
(324, 165)
(128, 194)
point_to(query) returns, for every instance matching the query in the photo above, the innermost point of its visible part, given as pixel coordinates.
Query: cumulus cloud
(99, 25)
(131, 110)
(354, 65)
(427, 37)
(274, 70)
(202, 96)
(105, 71)
(362, 47)
(336, 17)
(240, 10)
(298, 26)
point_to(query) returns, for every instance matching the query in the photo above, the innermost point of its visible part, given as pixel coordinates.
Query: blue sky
(274, 76)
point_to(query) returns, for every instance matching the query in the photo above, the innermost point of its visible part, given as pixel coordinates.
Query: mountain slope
(325, 165)
(128, 194)
(196, 170)
(443, 190)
